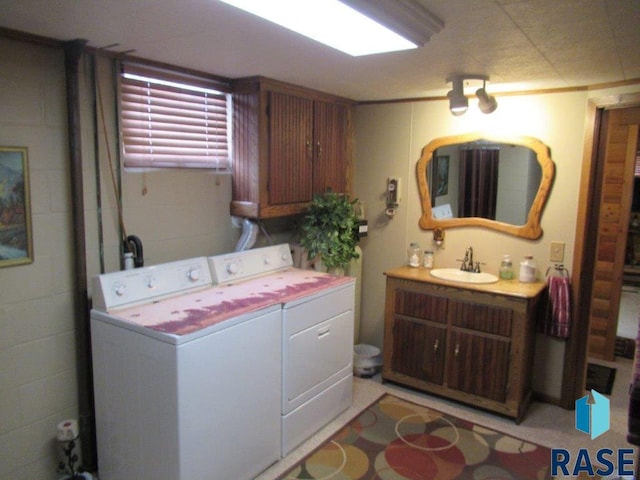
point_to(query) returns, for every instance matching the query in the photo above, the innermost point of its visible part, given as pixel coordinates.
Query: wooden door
(479, 331)
(487, 378)
(419, 335)
(330, 147)
(618, 145)
(290, 149)
(418, 349)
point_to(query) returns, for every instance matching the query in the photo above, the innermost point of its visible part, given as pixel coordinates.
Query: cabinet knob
(319, 145)
(457, 350)
(436, 344)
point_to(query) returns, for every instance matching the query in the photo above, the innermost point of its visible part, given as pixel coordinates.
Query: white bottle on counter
(527, 270)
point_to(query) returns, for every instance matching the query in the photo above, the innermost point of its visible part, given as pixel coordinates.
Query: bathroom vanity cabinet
(290, 143)
(471, 343)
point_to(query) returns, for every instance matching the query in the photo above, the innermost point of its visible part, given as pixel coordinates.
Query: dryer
(317, 335)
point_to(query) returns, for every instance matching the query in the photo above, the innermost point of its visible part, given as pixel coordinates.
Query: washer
(185, 385)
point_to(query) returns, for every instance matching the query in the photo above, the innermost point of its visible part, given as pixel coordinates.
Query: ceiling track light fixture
(459, 103)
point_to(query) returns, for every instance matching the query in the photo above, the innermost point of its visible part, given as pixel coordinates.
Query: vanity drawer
(481, 318)
(421, 305)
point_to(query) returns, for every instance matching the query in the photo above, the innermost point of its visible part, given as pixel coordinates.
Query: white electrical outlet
(556, 252)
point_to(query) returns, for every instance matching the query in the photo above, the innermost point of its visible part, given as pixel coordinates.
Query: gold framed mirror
(497, 182)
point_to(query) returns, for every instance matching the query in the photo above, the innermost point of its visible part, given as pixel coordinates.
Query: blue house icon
(592, 417)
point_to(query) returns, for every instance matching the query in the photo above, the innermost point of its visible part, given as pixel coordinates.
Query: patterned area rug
(395, 439)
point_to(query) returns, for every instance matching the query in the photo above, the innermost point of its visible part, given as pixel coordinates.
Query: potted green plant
(329, 231)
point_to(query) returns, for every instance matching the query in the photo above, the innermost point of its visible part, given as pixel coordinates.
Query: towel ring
(557, 271)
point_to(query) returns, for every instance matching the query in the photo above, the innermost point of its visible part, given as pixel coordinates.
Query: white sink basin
(457, 275)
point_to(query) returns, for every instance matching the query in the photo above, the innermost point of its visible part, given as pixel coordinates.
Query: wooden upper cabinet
(289, 144)
(290, 149)
(330, 162)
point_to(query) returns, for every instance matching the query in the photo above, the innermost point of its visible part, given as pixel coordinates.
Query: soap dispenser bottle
(506, 268)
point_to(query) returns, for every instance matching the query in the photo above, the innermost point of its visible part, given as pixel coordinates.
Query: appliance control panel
(236, 266)
(129, 287)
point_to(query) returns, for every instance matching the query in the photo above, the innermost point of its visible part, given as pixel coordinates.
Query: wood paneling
(619, 140)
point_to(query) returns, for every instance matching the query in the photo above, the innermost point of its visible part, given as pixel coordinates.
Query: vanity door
(479, 349)
(419, 335)
(479, 365)
(419, 350)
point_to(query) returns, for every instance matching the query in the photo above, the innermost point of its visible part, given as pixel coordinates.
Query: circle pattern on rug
(395, 439)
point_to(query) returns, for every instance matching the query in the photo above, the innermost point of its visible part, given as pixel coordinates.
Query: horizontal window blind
(169, 120)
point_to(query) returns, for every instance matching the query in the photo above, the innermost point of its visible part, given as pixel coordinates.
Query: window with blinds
(173, 120)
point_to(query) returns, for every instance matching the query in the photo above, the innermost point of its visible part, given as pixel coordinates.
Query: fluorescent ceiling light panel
(330, 22)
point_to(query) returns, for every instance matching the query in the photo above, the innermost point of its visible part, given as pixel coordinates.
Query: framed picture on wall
(16, 243)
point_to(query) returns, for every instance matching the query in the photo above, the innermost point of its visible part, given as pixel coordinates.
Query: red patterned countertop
(190, 312)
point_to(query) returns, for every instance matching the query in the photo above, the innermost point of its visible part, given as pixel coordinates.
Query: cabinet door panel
(418, 350)
(330, 147)
(478, 365)
(290, 149)
(420, 305)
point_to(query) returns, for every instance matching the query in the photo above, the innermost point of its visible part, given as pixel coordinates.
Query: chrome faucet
(467, 262)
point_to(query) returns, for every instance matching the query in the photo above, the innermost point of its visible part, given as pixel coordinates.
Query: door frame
(575, 358)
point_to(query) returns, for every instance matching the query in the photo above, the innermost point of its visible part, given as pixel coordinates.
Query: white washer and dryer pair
(216, 367)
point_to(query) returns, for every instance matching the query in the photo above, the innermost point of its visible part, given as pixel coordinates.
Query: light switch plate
(556, 253)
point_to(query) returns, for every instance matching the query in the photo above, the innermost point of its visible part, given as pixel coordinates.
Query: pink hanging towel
(557, 321)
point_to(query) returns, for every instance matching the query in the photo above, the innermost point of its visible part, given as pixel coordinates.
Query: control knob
(232, 268)
(120, 289)
(194, 274)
